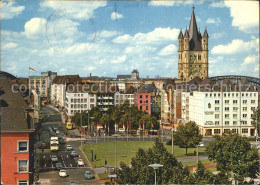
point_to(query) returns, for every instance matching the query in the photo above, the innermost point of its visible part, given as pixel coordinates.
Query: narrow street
(48, 174)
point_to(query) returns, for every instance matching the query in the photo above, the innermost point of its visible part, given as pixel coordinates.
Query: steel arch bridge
(237, 79)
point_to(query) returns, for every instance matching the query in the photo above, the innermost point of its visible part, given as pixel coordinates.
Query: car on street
(63, 173)
(69, 147)
(50, 129)
(201, 144)
(74, 154)
(57, 131)
(54, 158)
(72, 182)
(81, 162)
(62, 140)
(58, 166)
(88, 175)
(55, 128)
(43, 145)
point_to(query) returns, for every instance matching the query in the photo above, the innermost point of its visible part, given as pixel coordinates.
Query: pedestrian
(95, 156)
(105, 162)
(194, 153)
(42, 150)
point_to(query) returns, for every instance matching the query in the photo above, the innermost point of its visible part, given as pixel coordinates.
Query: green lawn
(193, 163)
(125, 151)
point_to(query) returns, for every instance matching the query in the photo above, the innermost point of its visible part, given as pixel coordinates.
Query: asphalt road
(48, 173)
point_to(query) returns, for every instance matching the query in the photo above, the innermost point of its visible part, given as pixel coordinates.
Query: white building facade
(79, 102)
(120, 98)
(221, 112)
(58, 92)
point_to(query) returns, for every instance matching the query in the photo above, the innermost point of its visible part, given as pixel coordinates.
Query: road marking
(70, 165)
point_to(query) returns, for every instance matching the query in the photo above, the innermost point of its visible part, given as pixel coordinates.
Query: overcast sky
(110, 38)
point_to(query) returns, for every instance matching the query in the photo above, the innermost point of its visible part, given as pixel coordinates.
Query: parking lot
(64, 158)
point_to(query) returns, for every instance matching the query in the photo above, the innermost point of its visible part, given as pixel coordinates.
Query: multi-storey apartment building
(42, 83)
(105, 96)
(121, 97)
(59, 86)
(222, 112)
(79, 99)
(17, 135)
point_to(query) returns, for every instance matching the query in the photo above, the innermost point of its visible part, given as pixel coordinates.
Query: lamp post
(173, 130)
(155, 167)
(116, 136)
(80, 125)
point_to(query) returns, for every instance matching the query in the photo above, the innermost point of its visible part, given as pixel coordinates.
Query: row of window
(81, 95)
(82, 100)
(234, 115)
(141, 96)
(244, 131)
(234, 108)
(230, 94)
(234, 101)
(234, 122)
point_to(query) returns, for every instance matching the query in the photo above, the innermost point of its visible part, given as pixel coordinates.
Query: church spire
(193, 30)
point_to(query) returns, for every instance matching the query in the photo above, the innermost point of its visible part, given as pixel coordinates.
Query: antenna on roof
(193, 7)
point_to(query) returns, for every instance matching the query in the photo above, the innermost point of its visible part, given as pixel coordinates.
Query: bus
(68, 125)
(54, 144)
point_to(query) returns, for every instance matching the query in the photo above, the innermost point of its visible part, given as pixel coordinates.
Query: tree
(234, 155)
(141, 173)
(77, 119)
(187, 135)
(203, 176)
(256, 120)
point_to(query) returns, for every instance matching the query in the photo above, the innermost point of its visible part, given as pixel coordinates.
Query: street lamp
(173, 130)
(116, 136)
(155, 167)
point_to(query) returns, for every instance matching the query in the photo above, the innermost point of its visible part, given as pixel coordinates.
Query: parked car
(201, 144)
(58, 166)
(69, 147)
(43, 145)
(88, 175)
(63, 173)
(54, 158)
(81, 162)
(74, 154)
(62, 140)
(57, 131)
(72, 182)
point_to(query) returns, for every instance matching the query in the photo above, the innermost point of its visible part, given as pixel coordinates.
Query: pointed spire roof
(193, 33)
(180, 35)
(186, 34)
(193, 30)
(205, 35)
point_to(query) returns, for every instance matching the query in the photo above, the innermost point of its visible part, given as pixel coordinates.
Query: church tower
(192, 52)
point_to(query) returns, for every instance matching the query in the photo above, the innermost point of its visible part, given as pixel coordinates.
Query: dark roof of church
(205, 34)
(195, 42)
(180, 35)
(135, 71)
(123, 76)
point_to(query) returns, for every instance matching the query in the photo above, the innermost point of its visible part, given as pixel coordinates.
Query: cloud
(106, 33)
(252, 59)
(34, 27)
(119, 59)
(217, 35)
(10, 10)
(115, 16)
(172, 3)
(77, 10)
(158, 35)
(215, 59)
(161, 3)
(216, 21)
(10, 45)
(245, 15)
(134, 50)
(236, 46)
(219, 4)
(168, 50)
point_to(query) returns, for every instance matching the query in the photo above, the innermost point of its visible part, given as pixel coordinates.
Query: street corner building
(17, 133)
